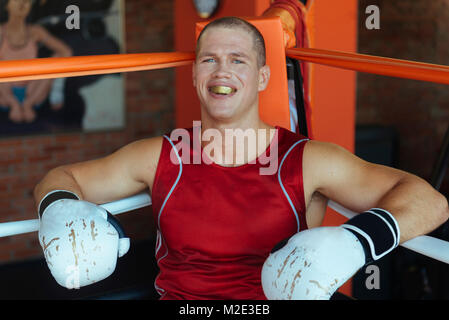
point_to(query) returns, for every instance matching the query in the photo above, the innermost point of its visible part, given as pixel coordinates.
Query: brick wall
(412, 30)
(149, 112)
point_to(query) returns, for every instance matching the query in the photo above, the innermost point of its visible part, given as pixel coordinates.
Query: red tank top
(216, 225)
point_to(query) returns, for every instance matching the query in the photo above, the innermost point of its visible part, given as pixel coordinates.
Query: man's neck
(236, 143)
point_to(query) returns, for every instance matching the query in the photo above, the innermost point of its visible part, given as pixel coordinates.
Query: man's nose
(222, 70)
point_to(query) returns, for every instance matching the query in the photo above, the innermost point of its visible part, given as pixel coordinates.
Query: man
(219, 218)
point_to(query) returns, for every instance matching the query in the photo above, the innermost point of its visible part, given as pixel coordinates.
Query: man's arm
(359, 185)
(63, 218)
(125, 172)
(326, 257)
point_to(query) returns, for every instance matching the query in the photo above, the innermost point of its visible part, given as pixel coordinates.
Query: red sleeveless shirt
(216, 225)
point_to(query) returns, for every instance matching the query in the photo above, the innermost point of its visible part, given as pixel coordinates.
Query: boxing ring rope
(429, 246)
(116, 207)
(373, 64)
(48, 68)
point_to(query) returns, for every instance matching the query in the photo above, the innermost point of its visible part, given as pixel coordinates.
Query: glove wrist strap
(54, 196)
(377, 231)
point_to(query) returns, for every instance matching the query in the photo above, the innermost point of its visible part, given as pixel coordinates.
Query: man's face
(226, 74)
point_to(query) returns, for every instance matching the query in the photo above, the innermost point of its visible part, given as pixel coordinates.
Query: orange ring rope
(46, 68)
(373, 64)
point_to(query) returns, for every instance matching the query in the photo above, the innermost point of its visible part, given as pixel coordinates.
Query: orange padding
(48, 68)
(373, 64)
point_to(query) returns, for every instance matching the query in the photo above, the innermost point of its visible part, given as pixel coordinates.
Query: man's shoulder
(327, 157)
(184, 135)
(317, 148)
(143, 147)
(288, 135)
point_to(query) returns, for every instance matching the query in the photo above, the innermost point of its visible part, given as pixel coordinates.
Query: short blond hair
(235, 22)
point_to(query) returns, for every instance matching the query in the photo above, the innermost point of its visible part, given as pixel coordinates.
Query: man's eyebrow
(235, 54)
(204, 54)
(239, 54)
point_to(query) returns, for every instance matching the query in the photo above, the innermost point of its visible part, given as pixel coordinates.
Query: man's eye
(209, 60)
(237, 61)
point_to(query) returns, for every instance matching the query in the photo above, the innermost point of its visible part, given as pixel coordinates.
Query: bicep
(344, 178)
(123, 173)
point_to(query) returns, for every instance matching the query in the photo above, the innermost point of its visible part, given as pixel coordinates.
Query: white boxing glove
(81, 241)
(314, 263)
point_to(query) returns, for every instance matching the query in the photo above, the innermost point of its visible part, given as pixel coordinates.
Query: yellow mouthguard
(221, 90)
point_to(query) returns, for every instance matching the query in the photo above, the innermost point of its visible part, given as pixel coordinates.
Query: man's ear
(264, 77)
(194, 74)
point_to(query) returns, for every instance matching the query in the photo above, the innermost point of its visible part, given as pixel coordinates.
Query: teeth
(221, 89)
